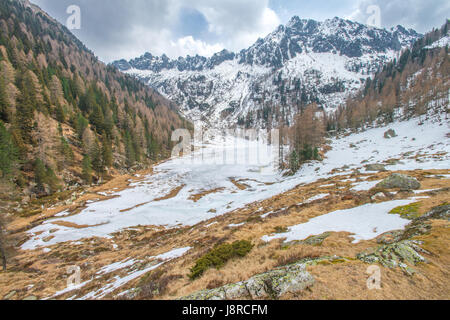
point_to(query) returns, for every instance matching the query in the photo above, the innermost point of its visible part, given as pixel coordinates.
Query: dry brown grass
(296, 256)
(136, 206)
(171, 194)
(197, 197)
(336, 281)
(74, 225)
(239, 185)
(347, 281)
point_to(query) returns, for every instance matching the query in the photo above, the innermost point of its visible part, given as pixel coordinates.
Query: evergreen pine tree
(86, 174)
(96, 158)
(39, 174)
(81, 123)
(59, 113)
(24, 117)
(66, 152)
(4, 113)
(294, 162)
(8, 152)
(106, 152)
(97, 119)
(129, 149)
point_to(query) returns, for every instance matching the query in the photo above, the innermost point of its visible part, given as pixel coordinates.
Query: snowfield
(364, 223)
(139, 205)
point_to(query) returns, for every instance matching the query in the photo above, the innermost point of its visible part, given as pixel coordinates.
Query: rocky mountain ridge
(302, 62)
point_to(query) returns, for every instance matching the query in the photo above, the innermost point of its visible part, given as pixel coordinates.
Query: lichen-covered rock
(378, 196)
(390, 134)
(214, 294)
(236, 291)
(392, 255)
(259, 286)
(316, 240)
(273, 284)
(375, 167)
(390, 237)
(291, 282)
(397, 249)
(439, 212)
(399, 181)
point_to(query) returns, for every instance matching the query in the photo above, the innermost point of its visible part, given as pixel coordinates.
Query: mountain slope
(415, 84)
(303, 62)
(65, 117)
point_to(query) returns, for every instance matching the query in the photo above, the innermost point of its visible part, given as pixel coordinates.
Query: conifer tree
(59, 114)
(24, 117)
(95, 155)
(8, 152)
(106, 152)
(129, 150)
(39, 174)
(4, 112)
(86, 170)
(97, 119)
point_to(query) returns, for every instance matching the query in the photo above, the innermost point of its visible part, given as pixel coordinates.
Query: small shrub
(254, 219)
(218, 256)
(296, 257)
(213, 284)
(279, 229)
(156, 284)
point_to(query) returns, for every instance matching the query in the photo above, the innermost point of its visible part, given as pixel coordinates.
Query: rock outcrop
(390, 134)
(375, 167)
(398, 250)
(399, 181)
(272, 284)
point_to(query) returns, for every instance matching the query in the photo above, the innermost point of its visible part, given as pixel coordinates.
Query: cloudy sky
(116, 29)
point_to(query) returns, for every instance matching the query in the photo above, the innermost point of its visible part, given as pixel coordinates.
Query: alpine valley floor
(136, 237)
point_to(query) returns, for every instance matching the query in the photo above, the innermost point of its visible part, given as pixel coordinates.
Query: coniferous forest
(65, 117)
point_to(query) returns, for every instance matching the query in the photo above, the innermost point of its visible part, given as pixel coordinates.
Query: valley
(116, 238)
(317, 168)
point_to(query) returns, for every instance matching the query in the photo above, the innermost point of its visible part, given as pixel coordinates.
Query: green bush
(218, 256)
(280, 229)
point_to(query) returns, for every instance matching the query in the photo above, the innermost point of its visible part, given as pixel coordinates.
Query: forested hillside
(416, 84)
(66, 118)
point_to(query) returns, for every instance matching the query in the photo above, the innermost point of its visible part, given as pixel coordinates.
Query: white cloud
(189, 46)
(237, 24)
(419, 15)
(127, 29)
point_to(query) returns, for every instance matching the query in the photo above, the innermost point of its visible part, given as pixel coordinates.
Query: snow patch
(364, 223)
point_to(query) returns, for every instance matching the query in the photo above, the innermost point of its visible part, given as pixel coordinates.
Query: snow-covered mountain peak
(299, 63)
